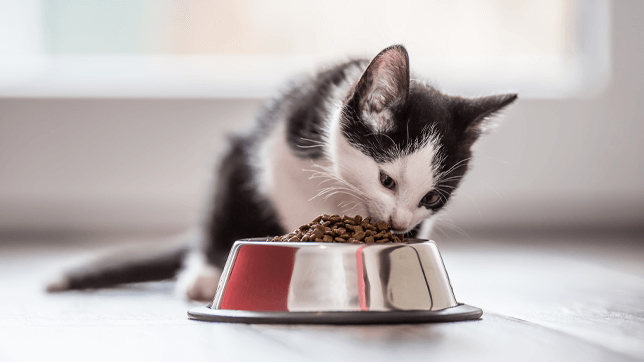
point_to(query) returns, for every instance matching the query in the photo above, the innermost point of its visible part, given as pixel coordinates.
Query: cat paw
(204, 288)
(198, 280)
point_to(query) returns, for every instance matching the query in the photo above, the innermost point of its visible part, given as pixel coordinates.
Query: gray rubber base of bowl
(461, 312)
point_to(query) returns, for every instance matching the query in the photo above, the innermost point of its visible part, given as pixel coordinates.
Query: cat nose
(401, 219)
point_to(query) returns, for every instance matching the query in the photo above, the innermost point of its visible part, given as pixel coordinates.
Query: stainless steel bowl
(277, 282)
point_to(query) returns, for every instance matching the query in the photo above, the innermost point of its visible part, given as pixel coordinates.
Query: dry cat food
(343, 229)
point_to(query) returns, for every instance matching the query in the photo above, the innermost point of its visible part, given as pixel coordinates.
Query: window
(183, 48)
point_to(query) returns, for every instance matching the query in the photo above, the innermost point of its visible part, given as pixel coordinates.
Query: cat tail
(140, 263)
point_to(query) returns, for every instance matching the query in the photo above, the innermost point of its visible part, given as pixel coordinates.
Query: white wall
(570, 163)
(137, 164)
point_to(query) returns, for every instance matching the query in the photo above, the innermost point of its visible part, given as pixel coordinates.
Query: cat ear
(473, 116)
(383, 86)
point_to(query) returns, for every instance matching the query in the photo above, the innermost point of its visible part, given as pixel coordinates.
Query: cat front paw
(199, 279)
(203, 289)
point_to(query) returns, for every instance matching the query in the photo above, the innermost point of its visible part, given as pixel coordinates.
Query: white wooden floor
(545, 298)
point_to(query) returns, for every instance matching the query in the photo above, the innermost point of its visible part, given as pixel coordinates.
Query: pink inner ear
(389, 76)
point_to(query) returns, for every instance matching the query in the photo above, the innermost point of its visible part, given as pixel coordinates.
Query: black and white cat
(362, 137)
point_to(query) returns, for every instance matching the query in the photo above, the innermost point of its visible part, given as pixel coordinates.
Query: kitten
(362, 137)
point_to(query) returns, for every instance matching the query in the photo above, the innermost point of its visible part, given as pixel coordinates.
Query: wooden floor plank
(544, 300)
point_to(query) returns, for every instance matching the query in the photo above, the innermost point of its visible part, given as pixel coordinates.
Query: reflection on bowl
(312, 277)
(317, 279)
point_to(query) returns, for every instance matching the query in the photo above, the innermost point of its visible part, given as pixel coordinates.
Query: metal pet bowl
(329, 283)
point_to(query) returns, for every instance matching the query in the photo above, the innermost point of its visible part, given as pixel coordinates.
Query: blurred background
(111, 112)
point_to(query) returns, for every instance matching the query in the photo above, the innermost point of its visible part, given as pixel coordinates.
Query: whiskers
(445, 221)
(315, 143)
(441, 176)
(349, 206)
(338, 186)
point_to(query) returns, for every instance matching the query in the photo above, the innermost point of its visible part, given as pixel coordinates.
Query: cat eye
(387, 181)
(431, 199)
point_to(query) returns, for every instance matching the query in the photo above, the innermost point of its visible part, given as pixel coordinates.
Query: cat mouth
(401, 231)
(393, 229)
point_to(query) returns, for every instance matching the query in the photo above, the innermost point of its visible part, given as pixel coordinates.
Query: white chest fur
(286, 180)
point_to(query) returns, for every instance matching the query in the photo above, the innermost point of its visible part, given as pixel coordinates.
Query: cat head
(402, 145)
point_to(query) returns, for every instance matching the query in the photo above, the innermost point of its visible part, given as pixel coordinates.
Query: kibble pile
(343, 229)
